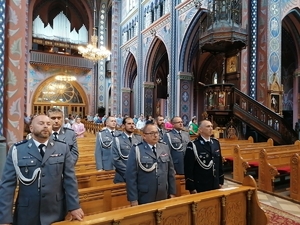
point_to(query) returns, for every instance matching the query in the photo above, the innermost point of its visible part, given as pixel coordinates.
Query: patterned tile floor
(274, 201)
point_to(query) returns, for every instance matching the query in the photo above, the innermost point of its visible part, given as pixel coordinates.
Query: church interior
(234, 62)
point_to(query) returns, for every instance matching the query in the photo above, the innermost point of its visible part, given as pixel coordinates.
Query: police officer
(203, 168)
(159, 121)
(104, 140)
(44, 172)
(121, 147)
(62, 133)
(150, 174)
(177, 139)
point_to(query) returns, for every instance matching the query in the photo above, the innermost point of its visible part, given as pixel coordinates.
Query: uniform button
(43, 195)
(43, 175)
(43, 185)
(42, 165)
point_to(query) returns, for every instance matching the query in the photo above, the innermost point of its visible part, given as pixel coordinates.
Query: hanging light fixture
(91, 51)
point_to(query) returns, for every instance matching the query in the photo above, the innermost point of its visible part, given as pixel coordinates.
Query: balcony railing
(58, 59)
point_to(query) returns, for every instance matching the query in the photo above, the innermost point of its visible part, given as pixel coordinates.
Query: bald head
(41, 128)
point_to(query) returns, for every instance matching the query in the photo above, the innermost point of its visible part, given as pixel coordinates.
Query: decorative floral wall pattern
(16, 52)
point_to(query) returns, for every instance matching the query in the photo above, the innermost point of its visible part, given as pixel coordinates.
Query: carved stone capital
(185, 76)
(126, 90)
(149, 85)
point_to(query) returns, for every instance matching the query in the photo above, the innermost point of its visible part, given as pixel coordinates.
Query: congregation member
(141, 123)
(193, 127)
(63, 133)
(150, 174)
(168, 124)
(43, 170)
(104, 140)
(78, 128)
(121, 147)
(203, 166)
(67, 123)
(177, 139)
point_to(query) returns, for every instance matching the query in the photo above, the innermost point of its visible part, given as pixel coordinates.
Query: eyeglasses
(152, 133)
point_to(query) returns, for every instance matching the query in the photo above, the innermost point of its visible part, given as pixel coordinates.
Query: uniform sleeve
(171, 177)
(131, 176)
(189, 162)
(7, 190)
(70, 183)
(98, 155)
(116, 159)
(221, 172)
(74, 149)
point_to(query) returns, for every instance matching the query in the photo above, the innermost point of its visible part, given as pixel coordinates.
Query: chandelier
(65, 78)
(91, 51)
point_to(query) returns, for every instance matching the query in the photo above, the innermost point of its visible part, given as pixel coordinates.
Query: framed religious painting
(231, 64)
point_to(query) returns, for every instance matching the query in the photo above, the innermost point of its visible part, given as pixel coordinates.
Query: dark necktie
(112, 133)
(130, 139)
(55, 135)
(179, 132)
(41, 146)
(154, 151)
(160, 131)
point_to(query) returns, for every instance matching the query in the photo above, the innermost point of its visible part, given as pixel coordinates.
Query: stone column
(115, 52)
(126, 101)
(148, 98)
(15, 71)
(2, 51)
(102, 87)
(186, 93)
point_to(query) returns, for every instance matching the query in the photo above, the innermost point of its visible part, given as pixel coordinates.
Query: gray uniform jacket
(177, 144)
(43, 201)
(161, 133)
(103, 146)
(120, 150)
(153, 185)
(68, 135)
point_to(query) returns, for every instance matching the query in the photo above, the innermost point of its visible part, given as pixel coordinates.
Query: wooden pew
(106, 197)
(231, 140)
(238, 205)
(95, 178)
(85, 166)
(228, 148)
(272, 165)
(295, 177)
(248, 157)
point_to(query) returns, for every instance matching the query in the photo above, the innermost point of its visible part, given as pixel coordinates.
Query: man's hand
(134, 203)
(77, 214)
(172, 196)
(220, 185)
(193, 192)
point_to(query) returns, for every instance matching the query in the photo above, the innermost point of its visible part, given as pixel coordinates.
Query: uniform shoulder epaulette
(168, 131)
(21, 142)
(138, 144)
(102, 130)
(118, 134)
(57, 140)
(67, 128)
(214, 138)
(162, 142)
